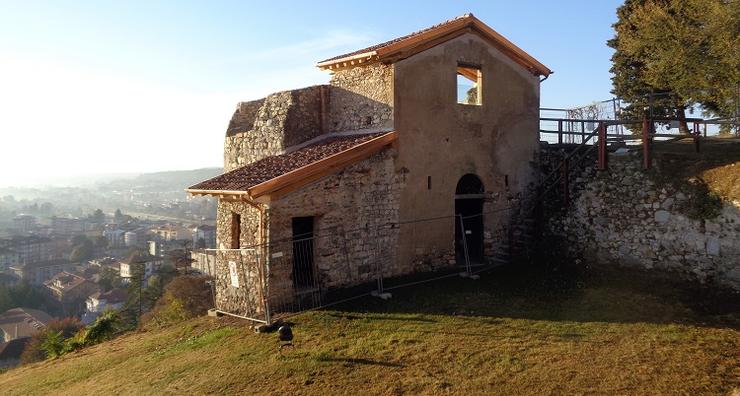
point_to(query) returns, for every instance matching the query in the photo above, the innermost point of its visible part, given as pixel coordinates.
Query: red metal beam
(602, 147)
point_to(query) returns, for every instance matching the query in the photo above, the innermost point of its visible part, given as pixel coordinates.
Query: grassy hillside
(511, 332)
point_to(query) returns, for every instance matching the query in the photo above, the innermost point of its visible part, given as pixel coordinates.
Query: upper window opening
(469, 82)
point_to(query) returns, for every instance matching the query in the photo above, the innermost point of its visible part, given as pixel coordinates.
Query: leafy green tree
(673, 54)
(118, 216)
(21, 295)
(82, 249)
(109, 279)
(98, 216)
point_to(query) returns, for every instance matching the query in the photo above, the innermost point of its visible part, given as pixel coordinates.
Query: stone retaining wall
(631, 217)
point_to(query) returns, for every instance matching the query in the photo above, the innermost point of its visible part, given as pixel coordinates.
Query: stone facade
(268, 126)
(395, 212)
(350, 210)
(356, 99)
(361, 98)
(627, 216)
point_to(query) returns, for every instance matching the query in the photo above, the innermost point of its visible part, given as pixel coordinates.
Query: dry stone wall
(267, 127)
(627, 216)
(361, 98)
(242, 299)
(350, 210)
(358, 98)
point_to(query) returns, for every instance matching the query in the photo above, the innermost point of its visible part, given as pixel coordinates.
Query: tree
(98, 216)
(82, 249)
(21, 295)
(118, 216)
(50, 341)
(673, 54)
(109, 279)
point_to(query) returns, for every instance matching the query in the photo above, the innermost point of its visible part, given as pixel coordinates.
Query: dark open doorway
(469, 204)
(303, 265)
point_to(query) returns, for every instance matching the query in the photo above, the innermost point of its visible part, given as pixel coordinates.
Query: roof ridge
(402, 47)
(400, 38)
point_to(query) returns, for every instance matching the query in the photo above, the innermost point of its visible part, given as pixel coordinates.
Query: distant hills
(161, 181)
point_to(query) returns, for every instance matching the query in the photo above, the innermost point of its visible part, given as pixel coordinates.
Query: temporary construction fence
(266, 282)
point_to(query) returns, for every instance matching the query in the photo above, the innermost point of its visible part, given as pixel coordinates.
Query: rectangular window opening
(469, 84)
(236, 230)
(303, 258)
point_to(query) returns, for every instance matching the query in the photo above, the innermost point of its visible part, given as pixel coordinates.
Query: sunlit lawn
(511, 332)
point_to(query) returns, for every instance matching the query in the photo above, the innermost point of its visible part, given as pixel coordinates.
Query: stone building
(69, 291)
(437, 123)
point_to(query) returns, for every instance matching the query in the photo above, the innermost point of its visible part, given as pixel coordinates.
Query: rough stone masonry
(632, 217)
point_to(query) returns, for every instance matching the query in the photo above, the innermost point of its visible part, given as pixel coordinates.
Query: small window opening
(303, 260)
(506, 180)
(236, 230)
(469, 82)
(429, 182)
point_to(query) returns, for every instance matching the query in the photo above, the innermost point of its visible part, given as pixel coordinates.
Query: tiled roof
(271, 167)
(13, 349)
(410, 44)
(66, 280)
(395, 40)
(111, 297)
(23, 322)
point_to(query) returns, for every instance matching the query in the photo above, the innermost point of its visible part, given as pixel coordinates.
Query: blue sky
(127, 86)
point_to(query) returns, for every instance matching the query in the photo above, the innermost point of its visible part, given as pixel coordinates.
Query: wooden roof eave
(228, 195)
(277, 187)
(348, 61)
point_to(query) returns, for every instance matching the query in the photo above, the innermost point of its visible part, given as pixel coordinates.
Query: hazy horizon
(137, 87)
(92, 178)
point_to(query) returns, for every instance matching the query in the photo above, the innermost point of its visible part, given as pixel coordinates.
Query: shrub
(53, 344)
(184, 297)
(50, 341)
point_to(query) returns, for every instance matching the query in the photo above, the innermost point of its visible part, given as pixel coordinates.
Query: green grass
(511, 332)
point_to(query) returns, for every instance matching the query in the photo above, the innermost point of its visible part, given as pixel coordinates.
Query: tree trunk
(683, 127)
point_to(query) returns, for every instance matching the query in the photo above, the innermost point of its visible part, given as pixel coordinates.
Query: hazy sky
(127, 86)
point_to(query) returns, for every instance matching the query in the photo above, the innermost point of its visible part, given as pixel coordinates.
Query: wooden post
(646, 162)
(560, 132)
(566, 189)
(697, 137)
(602, 160)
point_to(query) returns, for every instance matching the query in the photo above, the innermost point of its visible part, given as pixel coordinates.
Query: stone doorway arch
(469, 195)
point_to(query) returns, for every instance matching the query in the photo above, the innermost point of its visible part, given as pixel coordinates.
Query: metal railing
(267, 282)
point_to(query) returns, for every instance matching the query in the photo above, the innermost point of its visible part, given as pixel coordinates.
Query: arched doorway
(469, 204)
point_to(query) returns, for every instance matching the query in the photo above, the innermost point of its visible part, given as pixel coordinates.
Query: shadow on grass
(359, 361)
(564, 294)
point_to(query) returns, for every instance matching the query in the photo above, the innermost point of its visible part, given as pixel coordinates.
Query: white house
(151, 265)
(99, 302)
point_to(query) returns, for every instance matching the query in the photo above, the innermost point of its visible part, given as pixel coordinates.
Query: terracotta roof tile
(395, 40)
(271, 167)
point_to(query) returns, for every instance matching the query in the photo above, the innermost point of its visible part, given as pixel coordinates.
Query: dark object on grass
(285, 334)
